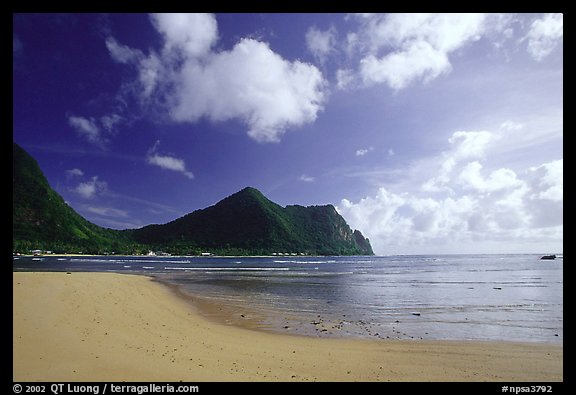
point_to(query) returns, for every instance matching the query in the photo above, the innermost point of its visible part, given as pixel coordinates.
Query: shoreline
(56, 255)
(223, 311)
(113, 327)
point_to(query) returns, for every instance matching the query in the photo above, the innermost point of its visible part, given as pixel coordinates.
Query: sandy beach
(114, 327)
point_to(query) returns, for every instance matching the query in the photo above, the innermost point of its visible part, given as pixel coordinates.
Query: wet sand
(113, 327)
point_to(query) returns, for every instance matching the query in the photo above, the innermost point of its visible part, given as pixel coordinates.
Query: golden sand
(115, 327)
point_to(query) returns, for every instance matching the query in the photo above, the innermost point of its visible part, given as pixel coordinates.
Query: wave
(305, 262)
(253, 269)
(179, 261)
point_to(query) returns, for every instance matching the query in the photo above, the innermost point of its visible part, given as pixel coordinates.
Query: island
(245, 223)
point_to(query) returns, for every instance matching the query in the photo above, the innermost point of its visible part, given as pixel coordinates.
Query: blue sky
(431, 133)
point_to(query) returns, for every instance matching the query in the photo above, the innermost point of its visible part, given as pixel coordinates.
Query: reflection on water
(480, 297)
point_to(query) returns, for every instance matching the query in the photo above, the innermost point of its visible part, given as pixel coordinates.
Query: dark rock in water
(549, 257)
(416, 314)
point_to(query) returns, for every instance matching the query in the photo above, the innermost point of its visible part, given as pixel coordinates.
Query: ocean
(438, 297)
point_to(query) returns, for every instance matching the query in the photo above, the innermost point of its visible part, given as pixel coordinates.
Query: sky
(430, 133)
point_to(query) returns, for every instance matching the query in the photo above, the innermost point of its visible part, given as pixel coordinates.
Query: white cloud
(511, 126)
(110, 121)
(167, 162)
(306, 178)
(345, 78)
(107, 211)
(418, 61)
(122, 53)
(74, 172)
(548, 181)
(321, 43)
(545, 35)
(400, 50)
(364, 151)
(89, 189)
(190, 80)
(471, 178)
(466, 206)
(464, 146)
(191, 34)
(87, 129)
(470, 144)
(231, 85)
(417, 45)
(96, 130)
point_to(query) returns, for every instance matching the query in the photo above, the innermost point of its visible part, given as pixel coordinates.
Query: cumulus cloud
(191, 34)
(231, 85)
(471, 177)
(465, 205)
(167, 162)
(190, 80)
(545, 35)
(418, 61)
(91, 188)
(400, 50)
(546, 200)
(464, 146)
(548, 181)
(470, 144)
(416, 46)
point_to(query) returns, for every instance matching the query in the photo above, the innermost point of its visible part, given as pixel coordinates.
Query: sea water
(452, 297)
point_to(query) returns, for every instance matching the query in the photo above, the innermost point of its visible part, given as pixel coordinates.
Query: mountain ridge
(41, 219)
(244, 223)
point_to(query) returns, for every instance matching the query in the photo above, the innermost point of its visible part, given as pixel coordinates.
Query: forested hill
(42, 220)
(245, 223)
(248, 221)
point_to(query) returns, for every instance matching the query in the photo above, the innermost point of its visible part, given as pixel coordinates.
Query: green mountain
(246, 223)
(42, 220)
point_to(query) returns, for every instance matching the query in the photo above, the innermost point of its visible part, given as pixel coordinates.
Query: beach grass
(115, 327)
